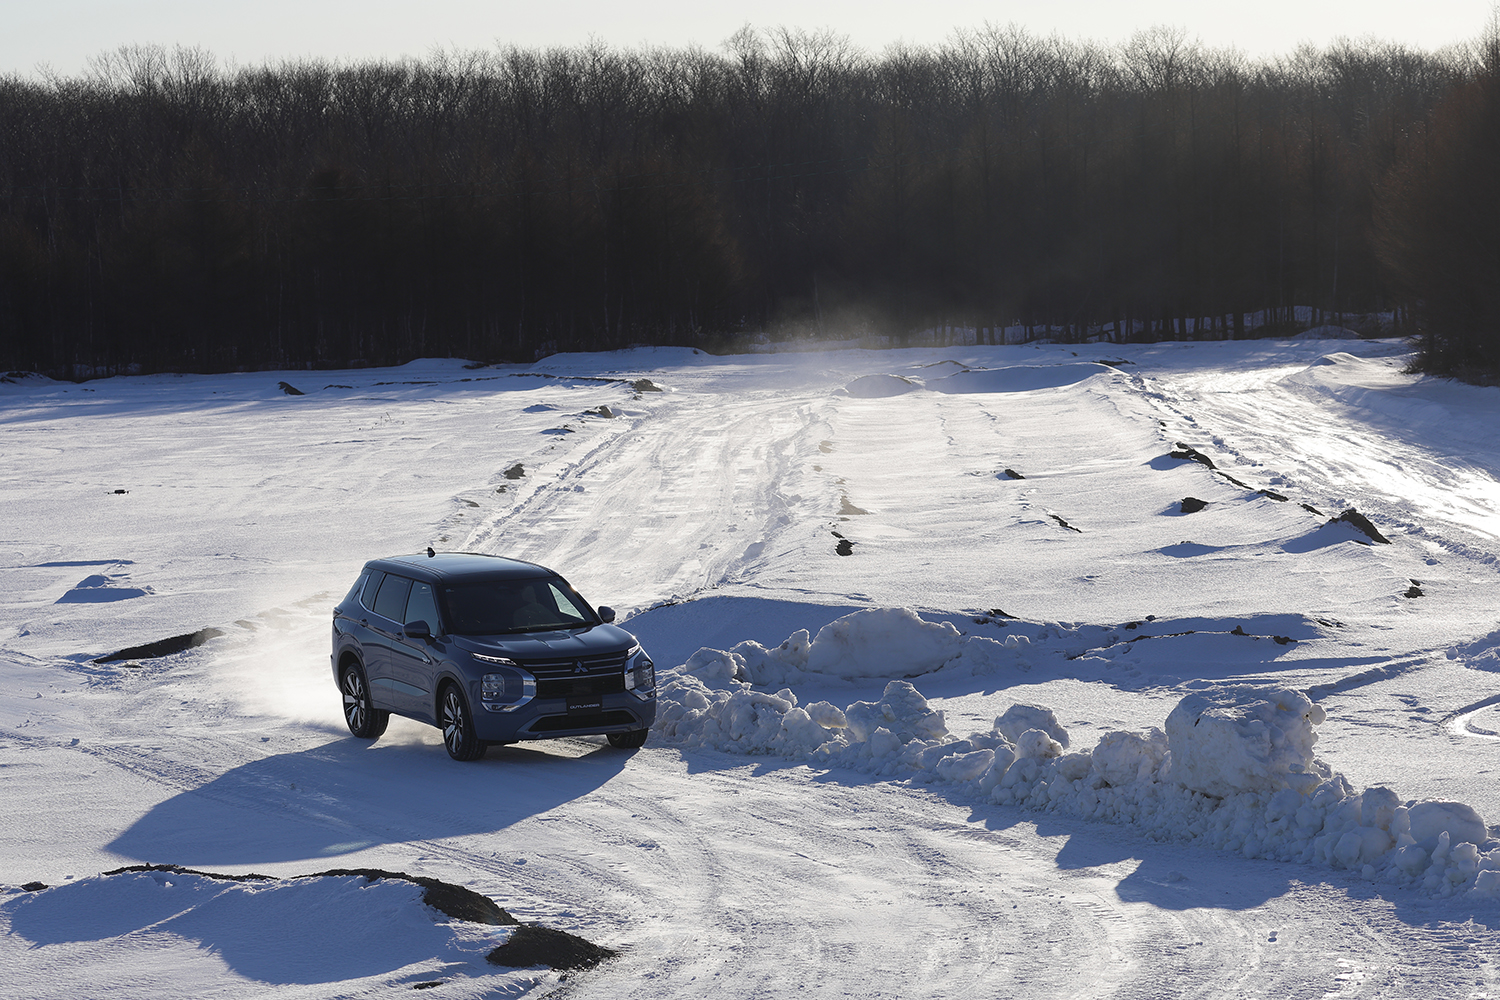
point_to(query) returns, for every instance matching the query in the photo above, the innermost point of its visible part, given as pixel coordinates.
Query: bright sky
(63, 34)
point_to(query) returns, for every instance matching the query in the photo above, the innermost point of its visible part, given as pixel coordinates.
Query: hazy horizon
(63, 36)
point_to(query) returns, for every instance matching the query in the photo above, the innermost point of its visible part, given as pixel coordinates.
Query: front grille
(582, 684)
(596, 721)
(568, 668)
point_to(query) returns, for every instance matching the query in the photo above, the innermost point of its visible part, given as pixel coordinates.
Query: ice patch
(1019, 378)
(880, 386)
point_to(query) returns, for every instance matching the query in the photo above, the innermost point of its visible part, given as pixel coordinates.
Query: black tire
(362, 718)
(458, 726)
(628, 741)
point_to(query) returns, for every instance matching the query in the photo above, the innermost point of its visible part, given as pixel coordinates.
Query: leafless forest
(165, 212)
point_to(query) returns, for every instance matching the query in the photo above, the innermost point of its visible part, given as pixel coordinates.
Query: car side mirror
(416, 630)
(606, 615)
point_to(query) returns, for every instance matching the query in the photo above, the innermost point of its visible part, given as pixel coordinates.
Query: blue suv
(489, 650)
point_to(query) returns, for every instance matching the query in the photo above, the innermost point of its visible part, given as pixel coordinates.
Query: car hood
(590, 641)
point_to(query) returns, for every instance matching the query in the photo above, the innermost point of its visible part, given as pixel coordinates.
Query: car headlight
(640, 674)
(505, 688)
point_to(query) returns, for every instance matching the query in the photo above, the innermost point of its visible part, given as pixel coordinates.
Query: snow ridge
(1233, 769)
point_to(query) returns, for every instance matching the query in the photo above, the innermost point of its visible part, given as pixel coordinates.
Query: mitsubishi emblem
(579, 668)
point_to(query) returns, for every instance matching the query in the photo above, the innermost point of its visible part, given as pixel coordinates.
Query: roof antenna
(430, 553)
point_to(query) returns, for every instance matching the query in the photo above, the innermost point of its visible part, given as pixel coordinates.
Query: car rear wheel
(363, 719)
(458, 727)
(628, 741)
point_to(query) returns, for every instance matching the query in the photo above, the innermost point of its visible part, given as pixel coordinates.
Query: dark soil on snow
(532, 945)
(163, 647)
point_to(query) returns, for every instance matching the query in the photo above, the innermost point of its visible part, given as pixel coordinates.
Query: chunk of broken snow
(1462, 823)
(901, 710)
(1258, 741)
(1124, 758)
(1019, 718)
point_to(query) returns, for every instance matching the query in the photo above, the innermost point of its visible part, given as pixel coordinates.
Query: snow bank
(1234, 769)
(879, 642)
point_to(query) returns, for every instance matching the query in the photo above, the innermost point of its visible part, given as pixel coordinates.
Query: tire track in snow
(631, 514)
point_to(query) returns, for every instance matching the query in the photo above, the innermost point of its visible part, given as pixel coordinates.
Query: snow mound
(202, 929)
(1019, 378)
(880, 386)
(25, 378)
(1234, 769)
(875, 643)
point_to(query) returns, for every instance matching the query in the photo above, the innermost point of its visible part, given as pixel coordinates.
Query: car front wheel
(362, 718)
(458, 727)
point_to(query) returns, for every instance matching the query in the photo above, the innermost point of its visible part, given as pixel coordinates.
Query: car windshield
(491, 607)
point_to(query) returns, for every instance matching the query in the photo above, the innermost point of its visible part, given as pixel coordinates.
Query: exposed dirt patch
(532, 945)
(1192, 505)
(1358, 520)
(453, 900)
(1013, 474)
(290, 389)
(1065, 524)
(515, 471)
(1233, 480)
(1191, 454)
(163, 647)
(179, 870)
(1415, 590)
(848, 509)
(1273, 495)
(645, 385)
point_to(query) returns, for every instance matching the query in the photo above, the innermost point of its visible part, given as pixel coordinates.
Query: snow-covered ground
(831, 813)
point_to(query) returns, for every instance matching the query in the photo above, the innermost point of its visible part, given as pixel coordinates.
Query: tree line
(164, 212)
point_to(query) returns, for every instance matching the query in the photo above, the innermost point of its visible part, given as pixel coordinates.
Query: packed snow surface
(1039, 671)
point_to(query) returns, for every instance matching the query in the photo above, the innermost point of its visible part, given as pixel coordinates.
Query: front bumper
(549, 718)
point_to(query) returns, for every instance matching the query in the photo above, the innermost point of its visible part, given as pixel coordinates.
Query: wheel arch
(444, 678)
(346, 657)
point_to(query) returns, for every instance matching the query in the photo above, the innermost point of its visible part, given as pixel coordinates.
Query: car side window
(422, 607)
(358, 588)
(391, 601)
(372, 584)
(563, 604)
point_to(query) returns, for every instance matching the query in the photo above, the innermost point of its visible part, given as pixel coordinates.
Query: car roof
(452, 567)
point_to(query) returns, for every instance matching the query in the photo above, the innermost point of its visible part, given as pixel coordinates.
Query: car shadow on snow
(349, 795)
